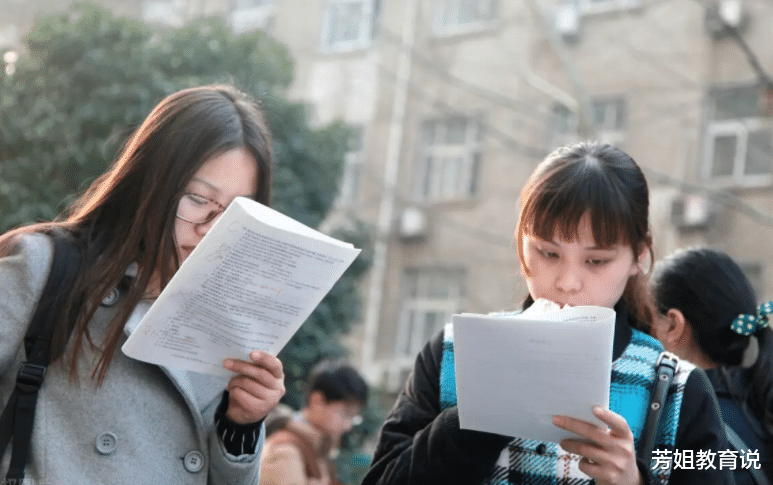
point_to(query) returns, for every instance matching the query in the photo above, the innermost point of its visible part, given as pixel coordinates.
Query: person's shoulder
(29, 254)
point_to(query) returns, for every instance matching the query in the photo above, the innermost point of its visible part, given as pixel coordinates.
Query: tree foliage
(88, 78)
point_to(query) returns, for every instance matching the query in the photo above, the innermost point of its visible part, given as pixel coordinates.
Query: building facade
(456, 101)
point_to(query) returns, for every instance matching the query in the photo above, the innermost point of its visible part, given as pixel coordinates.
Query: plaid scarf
(530, 462)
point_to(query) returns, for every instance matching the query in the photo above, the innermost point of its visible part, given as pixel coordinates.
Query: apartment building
(456, 101)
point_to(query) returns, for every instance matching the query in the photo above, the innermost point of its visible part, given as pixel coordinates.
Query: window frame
(436, 161)
(352, 173)
(741, 127)
(367, 22)
(260, 15)
(411, 334)
(442, 29)
(613, 135)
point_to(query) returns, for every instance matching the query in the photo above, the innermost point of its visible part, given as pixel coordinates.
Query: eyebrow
(216, 189)
(588, 248)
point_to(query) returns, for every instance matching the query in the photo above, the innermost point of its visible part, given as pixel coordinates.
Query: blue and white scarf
(632, 383)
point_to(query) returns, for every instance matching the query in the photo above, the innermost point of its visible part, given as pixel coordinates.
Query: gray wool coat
(144, 425)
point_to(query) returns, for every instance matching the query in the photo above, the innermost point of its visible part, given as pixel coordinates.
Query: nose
(203, 229)
(568, 279)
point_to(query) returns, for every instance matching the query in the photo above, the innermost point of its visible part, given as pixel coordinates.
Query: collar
(623, 331)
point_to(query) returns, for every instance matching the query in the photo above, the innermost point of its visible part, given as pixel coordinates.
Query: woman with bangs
(582, 237)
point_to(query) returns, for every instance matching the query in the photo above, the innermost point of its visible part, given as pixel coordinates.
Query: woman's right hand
(609, 455)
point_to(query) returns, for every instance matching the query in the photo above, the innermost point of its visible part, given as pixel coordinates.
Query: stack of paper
(514, 374)
(249, 285)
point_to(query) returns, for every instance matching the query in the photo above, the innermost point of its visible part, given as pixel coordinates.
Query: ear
(673, 331)
(641, 257)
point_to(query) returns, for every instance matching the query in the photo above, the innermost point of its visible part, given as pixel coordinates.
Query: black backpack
(19, 413)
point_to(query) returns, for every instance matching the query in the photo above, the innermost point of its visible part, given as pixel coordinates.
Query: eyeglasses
(197, 209)
(351, 415)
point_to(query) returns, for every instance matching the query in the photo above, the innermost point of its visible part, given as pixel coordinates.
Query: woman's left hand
(256, 389)
(609, 455)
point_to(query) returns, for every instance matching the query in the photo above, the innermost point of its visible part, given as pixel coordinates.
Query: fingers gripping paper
(514, 374)
(249, 285)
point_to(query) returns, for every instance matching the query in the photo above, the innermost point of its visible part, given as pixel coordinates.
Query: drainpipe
(388, 200)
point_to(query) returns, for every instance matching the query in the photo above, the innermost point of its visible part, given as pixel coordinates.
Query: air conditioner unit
(691, 211)
(723, 15)
(412, 223)
(567, 22)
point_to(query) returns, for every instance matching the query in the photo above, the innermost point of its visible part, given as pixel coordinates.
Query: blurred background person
(709, 315)
(301, 446)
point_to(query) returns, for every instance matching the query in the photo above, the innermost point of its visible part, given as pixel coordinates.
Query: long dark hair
(711, 290)
(603, 181)
(128, 214)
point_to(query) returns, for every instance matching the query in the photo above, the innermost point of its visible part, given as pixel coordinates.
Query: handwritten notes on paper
(514, 374)
(249, 285)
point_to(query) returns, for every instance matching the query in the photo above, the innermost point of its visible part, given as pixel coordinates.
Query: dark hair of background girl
(598, 179)
(128, 214)
(710, 290)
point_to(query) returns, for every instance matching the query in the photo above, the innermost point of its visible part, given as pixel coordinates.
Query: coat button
(111, 298)
(106, 443)
(193, 461)
(541, 449)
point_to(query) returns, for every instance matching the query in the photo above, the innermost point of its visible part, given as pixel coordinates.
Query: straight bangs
(554, 208)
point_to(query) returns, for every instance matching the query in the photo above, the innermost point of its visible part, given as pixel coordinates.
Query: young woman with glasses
(102, 417)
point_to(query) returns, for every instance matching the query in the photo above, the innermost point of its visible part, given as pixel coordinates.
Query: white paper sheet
(514, 374)
(249, 285)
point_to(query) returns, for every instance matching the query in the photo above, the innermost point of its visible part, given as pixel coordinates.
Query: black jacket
(420, 444)
(730, 383)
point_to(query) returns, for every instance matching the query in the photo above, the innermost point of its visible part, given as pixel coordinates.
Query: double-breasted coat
(144, 425)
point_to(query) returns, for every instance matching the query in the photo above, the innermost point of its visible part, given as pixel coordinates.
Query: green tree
(87, 78)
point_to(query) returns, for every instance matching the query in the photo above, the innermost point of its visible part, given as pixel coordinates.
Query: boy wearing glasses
(300, 447)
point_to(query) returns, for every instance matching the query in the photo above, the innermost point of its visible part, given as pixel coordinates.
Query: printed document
(513, 374)
(249, 285)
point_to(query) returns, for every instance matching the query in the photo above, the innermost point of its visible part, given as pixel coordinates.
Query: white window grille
(449, 159)
(564, 124)
(608, 115)
(347, 24)
(166, 12)
(609, 119)
(353, 171)
(455, 16)
(252, 14)
(430, 297)
(738, 141)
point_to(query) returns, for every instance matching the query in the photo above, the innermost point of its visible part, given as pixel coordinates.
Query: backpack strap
(19, 413)
(739, 445)
(666, 367)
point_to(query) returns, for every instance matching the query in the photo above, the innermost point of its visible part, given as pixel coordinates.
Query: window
(430, 297)
(738, 141)
(352, 173)
(168, 12)
(453, 16)
(564, 127)
(449, 160)
(347, 24)
(252, 14)
(608, 115)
